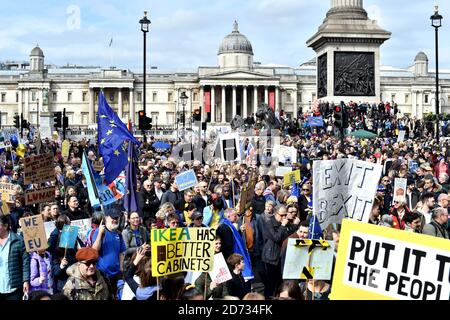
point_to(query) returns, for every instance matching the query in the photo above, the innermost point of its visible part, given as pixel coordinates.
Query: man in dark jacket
(172, 195)
(149, 199)
(259, 201)
(14, 275)
(274, 233)
(73, 211)
(202, 199)
(412, 194)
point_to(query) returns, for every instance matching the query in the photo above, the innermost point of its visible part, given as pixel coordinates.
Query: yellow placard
(182, 249)
(65, 148)
(380, 263)
(292, 176)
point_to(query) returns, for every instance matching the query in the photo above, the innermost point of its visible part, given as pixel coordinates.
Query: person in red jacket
(398, 211)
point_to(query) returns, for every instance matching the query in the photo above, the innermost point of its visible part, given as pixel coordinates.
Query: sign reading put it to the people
(182, 249)
(39, 168)
(292, 177)
(33, 233)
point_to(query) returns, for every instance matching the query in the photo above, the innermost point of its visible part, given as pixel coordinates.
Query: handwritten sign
(375, 263)
(68, 237)
(33, 233)
(344, 188)
(39, 168)
(292, 177)
(41, 195)
(186, 180)
(65, 148)
(8, 193)
(221, 273)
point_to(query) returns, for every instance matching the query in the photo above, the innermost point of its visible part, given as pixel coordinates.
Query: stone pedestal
(45, 125)
(347, 45)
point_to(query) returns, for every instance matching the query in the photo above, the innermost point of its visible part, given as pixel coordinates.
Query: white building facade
(236, 86)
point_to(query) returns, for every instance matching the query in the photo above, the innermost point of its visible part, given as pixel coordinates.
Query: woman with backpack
(135, 235)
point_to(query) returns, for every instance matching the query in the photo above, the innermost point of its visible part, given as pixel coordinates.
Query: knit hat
(86, 254)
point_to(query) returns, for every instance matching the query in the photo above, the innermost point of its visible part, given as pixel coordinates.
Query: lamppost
(144, 28)
(183, 98)
(436, 22)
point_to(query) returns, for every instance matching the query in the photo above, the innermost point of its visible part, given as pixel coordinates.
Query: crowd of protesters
(114, 261)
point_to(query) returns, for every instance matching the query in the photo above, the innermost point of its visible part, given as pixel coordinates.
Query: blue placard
(186, 180)
(413, 166)
(315, 121)
(68, 237)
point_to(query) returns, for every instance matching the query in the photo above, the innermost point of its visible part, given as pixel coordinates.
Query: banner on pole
(182, 249)
(186, 180)
(379, 263)
(344, 188)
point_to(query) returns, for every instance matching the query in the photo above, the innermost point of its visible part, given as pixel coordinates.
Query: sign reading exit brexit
(182, 249)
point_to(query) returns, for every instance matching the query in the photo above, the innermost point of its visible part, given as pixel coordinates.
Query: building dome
(235, 42)
(421, 56)
(37, 52)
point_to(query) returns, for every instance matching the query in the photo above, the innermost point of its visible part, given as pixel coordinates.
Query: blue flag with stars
(314, 229)
(112, 140)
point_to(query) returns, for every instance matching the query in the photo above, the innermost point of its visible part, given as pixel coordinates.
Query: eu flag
(295, 190)
(130, 198)
(314, 229)
(112, 137)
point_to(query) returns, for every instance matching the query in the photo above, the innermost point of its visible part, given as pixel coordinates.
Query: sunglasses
(89, 263)
(306, 189)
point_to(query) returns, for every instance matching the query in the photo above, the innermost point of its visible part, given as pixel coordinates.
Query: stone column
(234, 102)
(224, 101)
(244, 113)
(266, 94)
(295, 109)
(26, 111)
(213, 104)
(41, 101)
(120, 109)
(19, 103)
(255, 99)
(420, 108)
(347, 3)
(91, 106)
(131, 101)
(202, 103)
(277, 99)
(414, 103)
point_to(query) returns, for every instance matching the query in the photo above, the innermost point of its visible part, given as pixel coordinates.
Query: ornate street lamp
(144, 28)
(436, 22)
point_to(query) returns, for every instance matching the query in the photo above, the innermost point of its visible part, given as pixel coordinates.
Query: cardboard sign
(41, 195)
(344, 188)
(221, 273)
(182, 249)
(39, 168)
(281, 171)
(83, 227)
(65, 148)
(308, 259)
(378, 263)
(68, 237)
(33, 233)
(292, 177)
(400, 188)
(7, 192)
(186, 180)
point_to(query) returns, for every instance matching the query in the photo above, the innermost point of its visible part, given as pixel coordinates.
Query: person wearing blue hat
(109, 243)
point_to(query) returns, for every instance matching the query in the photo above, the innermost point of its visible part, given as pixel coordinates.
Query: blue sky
(187, 34)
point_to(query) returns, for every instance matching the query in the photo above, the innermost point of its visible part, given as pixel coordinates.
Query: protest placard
(413, 166)
(378, 263)
(314, 121)
(68, 237)
(291, 177)
(344, 188)
(40, 195)
(83, 227)
(49, 226)
(7, 192)
(401, 135)
(220, 273)
(182, 249)
(281, 171)
(65, 148)
(186, 180)
(285, 155)
(33, 233)
(400, 188)
(4, 144)
(8, 133)
(39, 168)
(308, 259)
